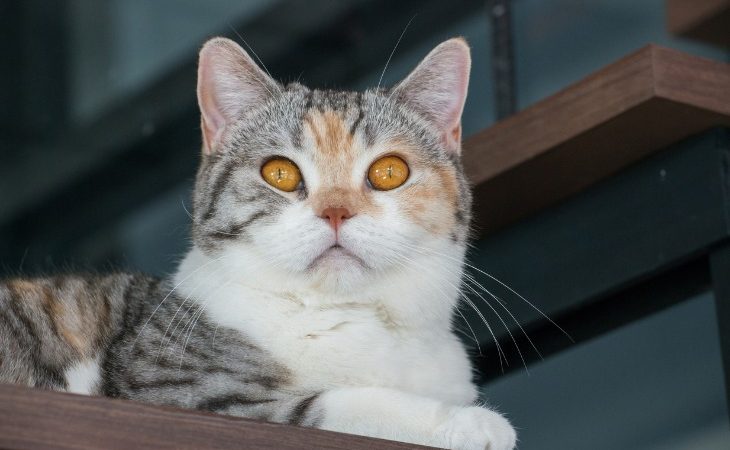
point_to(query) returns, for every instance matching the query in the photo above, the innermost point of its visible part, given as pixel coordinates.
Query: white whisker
(493, 278)
(472, 305)
(166, 297)
(394, 49)
(250, 49)
(471, 279)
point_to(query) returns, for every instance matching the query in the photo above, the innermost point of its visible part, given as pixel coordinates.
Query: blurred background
(100, 138)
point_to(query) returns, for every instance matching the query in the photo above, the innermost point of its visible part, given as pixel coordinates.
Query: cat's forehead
(343, 102)
(345, 125)
(334, 129)
(331, 120)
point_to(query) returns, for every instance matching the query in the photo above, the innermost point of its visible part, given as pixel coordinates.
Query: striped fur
(273, 315)
(48, 326)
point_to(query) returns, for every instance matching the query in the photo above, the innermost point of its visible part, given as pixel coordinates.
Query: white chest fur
(348, 343)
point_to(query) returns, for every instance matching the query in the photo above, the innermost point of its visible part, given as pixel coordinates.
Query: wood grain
(592, 129)
(34, 419)
(703, 20)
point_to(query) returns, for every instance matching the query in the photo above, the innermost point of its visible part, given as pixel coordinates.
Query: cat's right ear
(229, 82)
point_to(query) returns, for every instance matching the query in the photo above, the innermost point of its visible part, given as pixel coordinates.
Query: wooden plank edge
(36, 419)
(542, 126)
(693, 92)
(707, 21)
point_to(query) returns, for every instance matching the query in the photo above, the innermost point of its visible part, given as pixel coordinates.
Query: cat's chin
(336, 259)
(338, 268)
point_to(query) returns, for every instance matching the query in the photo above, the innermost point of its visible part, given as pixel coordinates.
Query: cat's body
(343, 323)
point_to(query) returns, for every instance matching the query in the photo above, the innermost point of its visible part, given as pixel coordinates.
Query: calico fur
(272, 315)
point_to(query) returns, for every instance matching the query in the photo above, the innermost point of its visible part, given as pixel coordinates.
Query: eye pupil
(282, 174)
(388, 173)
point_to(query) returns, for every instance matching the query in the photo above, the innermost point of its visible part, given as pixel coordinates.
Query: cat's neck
(408, 297)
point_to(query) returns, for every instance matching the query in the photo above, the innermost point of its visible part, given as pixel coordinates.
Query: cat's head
(329, 188)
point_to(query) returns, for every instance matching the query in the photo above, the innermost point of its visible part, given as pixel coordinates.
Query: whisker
(500, 351)
(134, 343)
(455, 326)
(399, 264)
(476, 341)
(466, 277)
(503, 323)
(394, 49)
(204, 226)
(199, 314)
(473, 306)
(250, 48)
(192, 321)
(493, 278)
(165, 344)
(523, 299)
(471, 279)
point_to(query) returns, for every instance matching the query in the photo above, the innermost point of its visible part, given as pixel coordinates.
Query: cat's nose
(335, 216)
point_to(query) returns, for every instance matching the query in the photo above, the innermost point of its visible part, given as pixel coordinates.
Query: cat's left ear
(437, 89)
(229, 83)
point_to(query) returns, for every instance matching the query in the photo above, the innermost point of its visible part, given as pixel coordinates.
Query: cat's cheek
(431, 204)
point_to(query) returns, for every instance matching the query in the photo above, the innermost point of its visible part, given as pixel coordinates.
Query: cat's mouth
(337, 256)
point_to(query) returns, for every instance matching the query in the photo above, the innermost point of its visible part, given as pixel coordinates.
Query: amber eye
(282, 174)
(388, 173)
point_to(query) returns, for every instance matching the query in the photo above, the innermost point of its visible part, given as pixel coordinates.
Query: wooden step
(592, 129)
(36, 419)
(703, 20)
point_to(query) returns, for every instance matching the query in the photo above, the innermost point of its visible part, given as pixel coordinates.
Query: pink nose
(335, 216)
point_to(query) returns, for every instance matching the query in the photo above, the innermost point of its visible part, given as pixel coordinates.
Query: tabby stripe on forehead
(226, 401)
(360, 114)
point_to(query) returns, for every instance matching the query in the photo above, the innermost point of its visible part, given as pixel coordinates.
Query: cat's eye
(388, 173)
(282, 174)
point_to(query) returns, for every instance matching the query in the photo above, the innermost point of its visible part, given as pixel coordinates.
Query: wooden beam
(591, 130)
(703, 20)
(35, 419)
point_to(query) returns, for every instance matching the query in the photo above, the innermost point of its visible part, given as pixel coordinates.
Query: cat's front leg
(396, 415)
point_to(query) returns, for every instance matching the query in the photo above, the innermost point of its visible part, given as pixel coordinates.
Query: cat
(329, 233)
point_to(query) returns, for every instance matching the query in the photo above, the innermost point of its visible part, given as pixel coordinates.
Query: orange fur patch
(330, 133)
(335, 156)
(432, 203)
(65, 320)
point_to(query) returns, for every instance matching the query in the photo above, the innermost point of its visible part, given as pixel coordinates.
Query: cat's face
(330, 188)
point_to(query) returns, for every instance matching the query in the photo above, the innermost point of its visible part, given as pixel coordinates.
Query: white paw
(476, 428)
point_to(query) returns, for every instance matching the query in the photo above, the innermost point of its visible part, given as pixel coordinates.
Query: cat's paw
(476, 428)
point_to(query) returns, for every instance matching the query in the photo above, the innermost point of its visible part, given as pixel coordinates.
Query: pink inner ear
(229, 82)
(213, 124)
(452, 141)
(212, 120)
